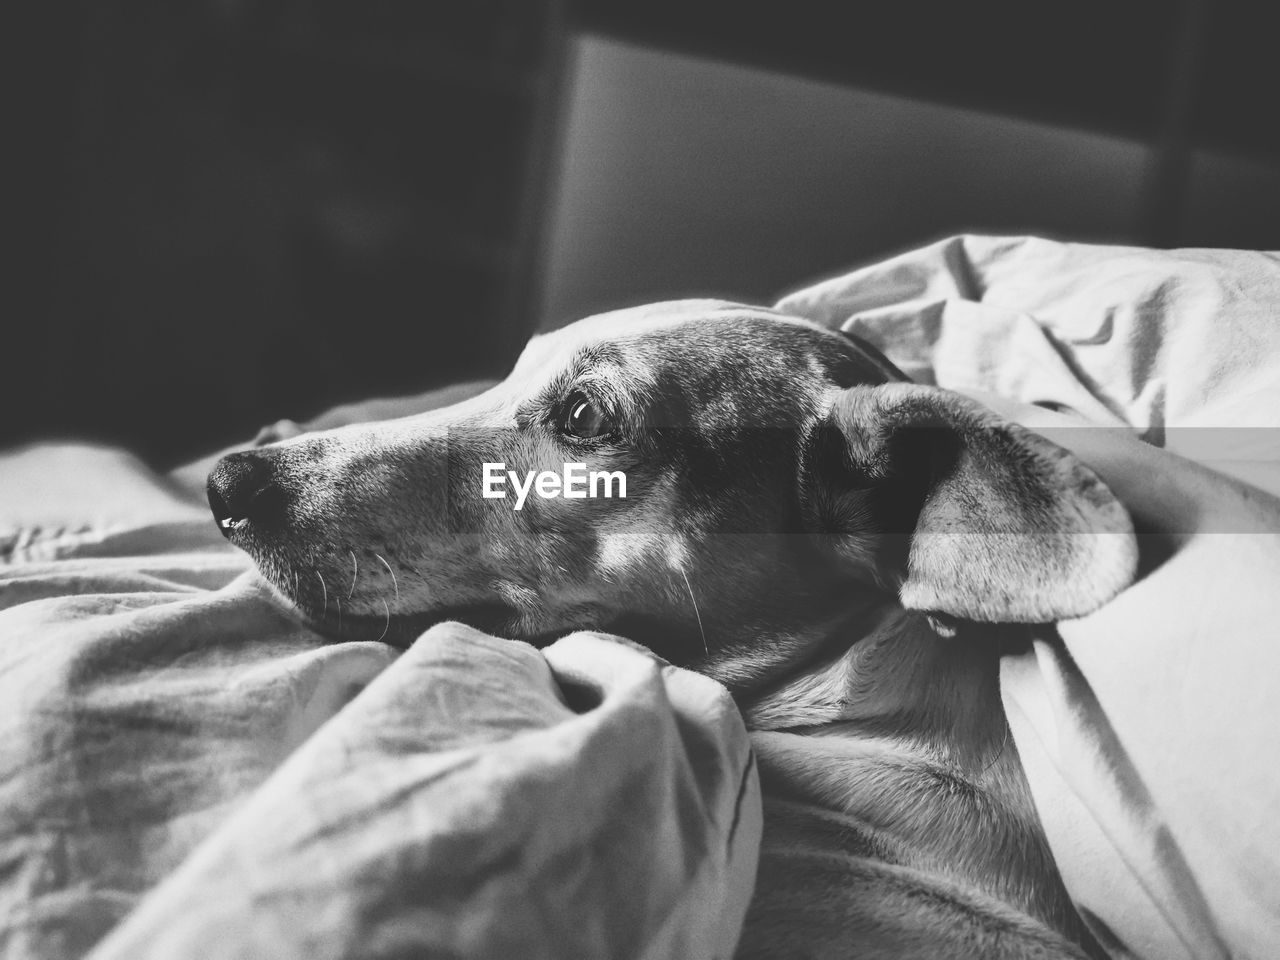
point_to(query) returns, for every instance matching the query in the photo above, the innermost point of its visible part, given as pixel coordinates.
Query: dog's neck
(897, 679)
(905, 733)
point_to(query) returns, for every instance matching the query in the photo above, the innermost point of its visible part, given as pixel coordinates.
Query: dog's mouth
(400, 630)
(327, 616)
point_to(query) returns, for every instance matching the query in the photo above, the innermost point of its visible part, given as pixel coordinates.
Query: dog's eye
(584, 419)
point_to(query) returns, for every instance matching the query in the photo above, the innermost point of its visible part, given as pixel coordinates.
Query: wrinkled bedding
(186, 771)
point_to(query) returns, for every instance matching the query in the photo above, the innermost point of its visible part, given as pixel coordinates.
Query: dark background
(232, 212)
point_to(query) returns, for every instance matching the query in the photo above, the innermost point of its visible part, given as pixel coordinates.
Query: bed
(189, 772)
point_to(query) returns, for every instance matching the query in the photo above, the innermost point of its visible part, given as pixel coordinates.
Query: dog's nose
(243, 488)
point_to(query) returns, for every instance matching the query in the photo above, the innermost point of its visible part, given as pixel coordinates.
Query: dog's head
(778, 478)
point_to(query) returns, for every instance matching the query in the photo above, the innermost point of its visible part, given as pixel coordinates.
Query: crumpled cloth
(1148, 730)
(482, 799)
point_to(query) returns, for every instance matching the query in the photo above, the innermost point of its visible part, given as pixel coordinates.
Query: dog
(848, 552)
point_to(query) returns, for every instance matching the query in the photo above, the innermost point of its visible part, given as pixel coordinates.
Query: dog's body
(917, 818)
(816, 536)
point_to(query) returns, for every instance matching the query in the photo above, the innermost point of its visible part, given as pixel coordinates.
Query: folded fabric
(478, 800)
(1152, 339)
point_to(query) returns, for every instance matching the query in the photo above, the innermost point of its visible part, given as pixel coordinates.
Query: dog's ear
(963, 512)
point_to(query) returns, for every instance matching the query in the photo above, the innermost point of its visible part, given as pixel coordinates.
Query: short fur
(798, 527)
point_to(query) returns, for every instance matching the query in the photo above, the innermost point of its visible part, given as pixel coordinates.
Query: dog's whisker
(324, 591)
(394, 581)
(338, 601)
(706, 648)
(388, 623)
(1004, 742)
(355, 571)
